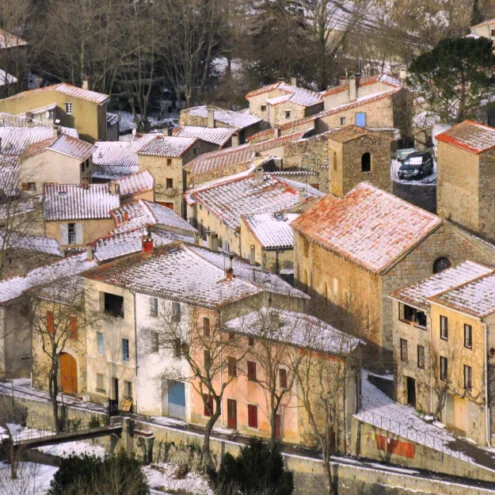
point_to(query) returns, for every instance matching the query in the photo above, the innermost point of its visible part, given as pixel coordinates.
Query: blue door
(176, 399)
(361, 119)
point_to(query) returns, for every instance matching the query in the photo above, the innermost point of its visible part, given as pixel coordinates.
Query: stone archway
(68, 374)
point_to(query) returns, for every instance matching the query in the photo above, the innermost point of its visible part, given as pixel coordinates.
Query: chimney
(147, 244)
(229, 273)
(197, 239)
(235, 139)
(301, 195)
(126, 216)
(85, 84)
(169, 131)
(211, 118)
(90, 253)
(212, 241)
(259, 176)
(293, 81)
(352, 88)
(276, 132)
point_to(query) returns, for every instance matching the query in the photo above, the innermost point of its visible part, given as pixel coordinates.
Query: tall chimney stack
(259, 176)
(211, 118)
(352, 88)
(293, 81)
(235, 139)
(85, 83)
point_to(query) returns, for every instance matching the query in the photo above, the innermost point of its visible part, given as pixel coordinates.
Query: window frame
(251, 371)
(154, 307)
(126, 350)
(468, 377)
(414, 320)
(208, 402)
(232, 366)
(100, 343)
(444, 373)
(283, 378)
(287, 114)
(469, 344)
(68, 107)
(254, 409)
(444, 327)
(206, 327)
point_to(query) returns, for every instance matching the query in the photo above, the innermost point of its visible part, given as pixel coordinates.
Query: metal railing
(28, 434)
(405, 431)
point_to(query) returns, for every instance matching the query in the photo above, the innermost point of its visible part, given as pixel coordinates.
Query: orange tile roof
(470, 136)
(383, 78)
(369, 227)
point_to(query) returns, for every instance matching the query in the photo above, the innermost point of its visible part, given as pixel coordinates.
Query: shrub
(257, 470)
(94, 422)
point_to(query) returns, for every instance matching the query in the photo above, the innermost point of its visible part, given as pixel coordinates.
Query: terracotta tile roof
(272, 230)
(116, 159)
(74, 202)
(351, 132)
(169, 146)
(381, 78)
(369, 227)
(470, 136)
(231, 118)
(68, 90)
(295, 94)
(135, 183)
(229, 199)
(8, 40)
(229, 157)
(216, 135)
(476, 298)
(417, 295)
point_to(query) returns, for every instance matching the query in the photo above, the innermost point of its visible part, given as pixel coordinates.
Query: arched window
(441, 264)
(206, 327)
(366, 162)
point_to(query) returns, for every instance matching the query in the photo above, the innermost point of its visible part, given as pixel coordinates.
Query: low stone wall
(422, 195)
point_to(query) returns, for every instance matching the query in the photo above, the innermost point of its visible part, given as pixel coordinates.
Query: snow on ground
(429, 180)
(162, 476)
(74, 448)
(127, 120)
(381, 411)
(33, 479)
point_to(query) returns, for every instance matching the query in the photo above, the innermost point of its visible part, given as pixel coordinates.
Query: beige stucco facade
(90, 231)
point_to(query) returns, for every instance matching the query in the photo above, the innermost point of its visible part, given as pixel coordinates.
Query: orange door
(68, 374)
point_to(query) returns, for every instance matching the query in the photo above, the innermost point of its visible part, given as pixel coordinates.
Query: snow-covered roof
(20, 206)
(115, 159)
(135, 183)
(229, 157)
(76, 202)
(367, 226)
(229, 199)
(142, 213)
(9, 40)
(298, 329)
(168, 146)
(112, 119)
(9, 175)
(14, 287)
(295, 94)
(230, 118)
(214, 135)
(417, 295)
(14, 140)
(68, 90)
(9, 120)
(31, 243)
(73, 147)
(6, 78)
(381, 78)
(470, 136)
(476, 298)
(272, 230)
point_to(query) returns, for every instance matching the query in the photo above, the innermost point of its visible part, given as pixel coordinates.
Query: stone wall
(422, 195)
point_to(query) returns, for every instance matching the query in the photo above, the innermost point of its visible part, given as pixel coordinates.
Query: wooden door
(68, 374)
(232, 414)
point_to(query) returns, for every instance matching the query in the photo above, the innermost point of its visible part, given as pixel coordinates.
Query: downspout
(487, 402)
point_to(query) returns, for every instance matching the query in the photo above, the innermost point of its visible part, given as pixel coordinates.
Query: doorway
(68, 374)
(232, 413)
(411, 391)
(176, 399)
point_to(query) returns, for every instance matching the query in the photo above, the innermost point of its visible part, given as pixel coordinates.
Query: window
(125, 349)
(287, 114)
(176, 312)
(468, 377)
(206, 358)
(251, 340)
(282, 378)
(170, 183)
(71, 232)
(421, 356)
(361, 119)
(113, 305)
(100, 383)
(251, 366)
(68, 108)
(444, 327)
(413, 315)
(252, 416)
(444, 368)
(342, 120)
(49, 322)
(366, 162)
(177, 348)
(208, 405)
(169, 161)
(101, 343)
(403, 350)
(468, 336)
(206, 327)
(28, 186)
(441, 264)
(154, 306)
(334, 161)
(155, 341)
(232, 366)
(128, 389)
(263, 108)
(73, 327)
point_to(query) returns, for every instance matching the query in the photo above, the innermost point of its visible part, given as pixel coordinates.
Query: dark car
(416, 165)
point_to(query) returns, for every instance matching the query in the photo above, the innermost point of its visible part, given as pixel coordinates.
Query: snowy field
(162, 477)
(33, 479)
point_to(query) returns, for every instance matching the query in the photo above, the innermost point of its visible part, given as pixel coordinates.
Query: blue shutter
(361, 119)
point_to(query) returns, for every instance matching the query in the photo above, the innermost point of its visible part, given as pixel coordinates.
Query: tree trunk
(207, 459)
(332, 489)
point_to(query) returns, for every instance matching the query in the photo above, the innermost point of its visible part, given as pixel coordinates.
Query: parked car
(416, 165)
(403, 153)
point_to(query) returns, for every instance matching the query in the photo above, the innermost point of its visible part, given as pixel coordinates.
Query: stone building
(74, 107)
(357, 154)
(465, 184)
(443, 341)
(355, 251)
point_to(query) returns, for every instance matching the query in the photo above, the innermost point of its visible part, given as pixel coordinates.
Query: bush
(94, 422)
(120, 474)
(257, 470)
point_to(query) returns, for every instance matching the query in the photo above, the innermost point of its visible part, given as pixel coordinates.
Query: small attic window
(68, 108)
(441, 264)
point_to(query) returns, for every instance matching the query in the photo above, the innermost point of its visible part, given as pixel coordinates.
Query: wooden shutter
(283, 377)
(208, 405)
(79, 233)
(49, 322)
(253, 416)
(64, 234)
(251, 371)
(73, 327)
